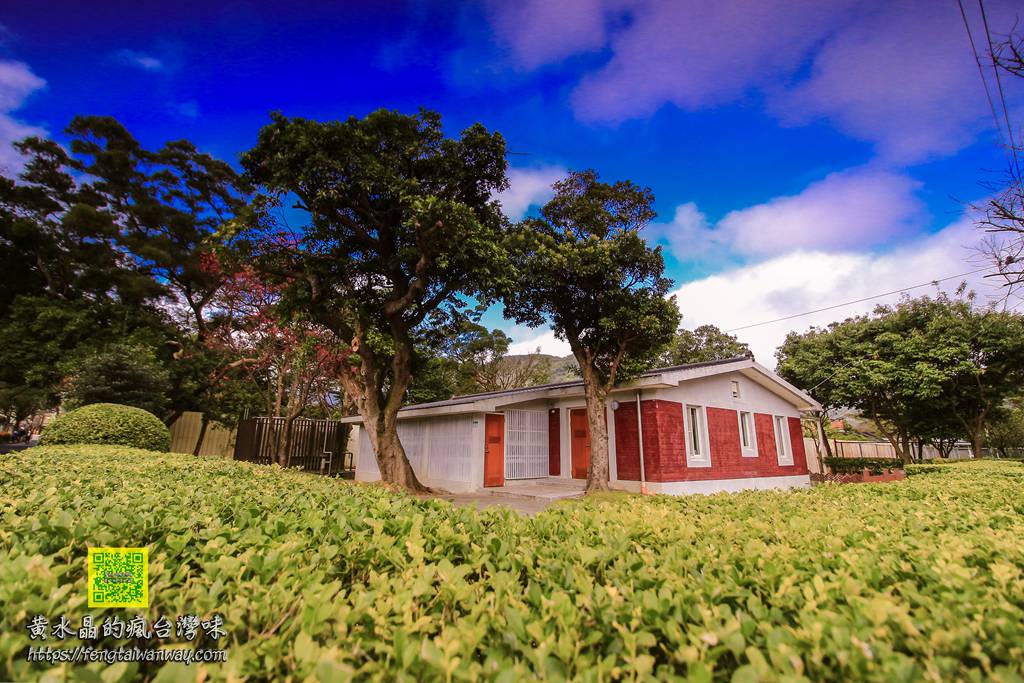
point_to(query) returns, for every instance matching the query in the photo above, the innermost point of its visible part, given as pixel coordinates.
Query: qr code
(118, 577)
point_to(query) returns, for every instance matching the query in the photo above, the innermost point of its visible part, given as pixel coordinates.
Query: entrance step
(549, 488)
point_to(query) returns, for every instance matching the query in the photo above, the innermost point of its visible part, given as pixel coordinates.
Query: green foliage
(584, 268)
(108, 423)
(856, 465)
(128, 375)
(703, 344)
(1005, 434)
(927, 369)
(327, 580)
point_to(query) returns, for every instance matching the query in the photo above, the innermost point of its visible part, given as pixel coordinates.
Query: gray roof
(470, 398)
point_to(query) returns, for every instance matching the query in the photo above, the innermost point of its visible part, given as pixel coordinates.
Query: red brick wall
(664, 444)
(627, 452)
(796, 437)
(554, 443)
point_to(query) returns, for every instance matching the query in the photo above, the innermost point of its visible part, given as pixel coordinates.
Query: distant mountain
(562, 367)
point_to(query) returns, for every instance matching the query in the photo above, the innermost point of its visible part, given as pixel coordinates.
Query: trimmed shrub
(108, 424)
(319, 579)
(872, 465)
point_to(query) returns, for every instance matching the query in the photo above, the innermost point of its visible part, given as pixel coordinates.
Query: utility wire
(981, 73)
(857, 301)
(999, 88)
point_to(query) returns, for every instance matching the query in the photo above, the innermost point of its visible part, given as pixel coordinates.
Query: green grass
(329, 580)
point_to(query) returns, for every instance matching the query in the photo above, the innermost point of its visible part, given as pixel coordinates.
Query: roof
(658, 377)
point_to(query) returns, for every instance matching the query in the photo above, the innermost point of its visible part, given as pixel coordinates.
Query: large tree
(583, 268)
(702, 344)
(400, 225)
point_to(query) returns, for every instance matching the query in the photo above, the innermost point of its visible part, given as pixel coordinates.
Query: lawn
(917, 580)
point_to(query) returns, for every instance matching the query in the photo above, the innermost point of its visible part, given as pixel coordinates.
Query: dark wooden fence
(316, 446)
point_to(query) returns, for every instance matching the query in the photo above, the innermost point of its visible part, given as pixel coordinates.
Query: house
(705, 427)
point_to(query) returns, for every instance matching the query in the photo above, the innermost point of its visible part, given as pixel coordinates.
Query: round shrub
(108, 423)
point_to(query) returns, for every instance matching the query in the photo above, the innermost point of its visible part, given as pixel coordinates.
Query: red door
(494, 450)
(579, 443)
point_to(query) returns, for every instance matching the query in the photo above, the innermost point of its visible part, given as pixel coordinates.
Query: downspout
(640, 440)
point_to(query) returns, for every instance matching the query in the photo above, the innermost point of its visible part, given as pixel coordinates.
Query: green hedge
(319, 579)
(856, 465)
(108, 424)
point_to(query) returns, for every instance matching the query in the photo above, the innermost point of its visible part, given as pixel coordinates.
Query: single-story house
(705, 427)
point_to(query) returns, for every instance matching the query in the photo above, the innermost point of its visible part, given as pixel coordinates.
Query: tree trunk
(202, 435)
(823, 432)
(284, 455)
(598, 471)
(363, 383)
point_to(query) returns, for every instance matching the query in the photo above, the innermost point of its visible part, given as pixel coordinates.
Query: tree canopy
(399, 226)
(583, 268)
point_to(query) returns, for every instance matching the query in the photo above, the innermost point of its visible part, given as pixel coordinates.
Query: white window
(748, 443)
(782, 441)
(735, 389)
(696, 437)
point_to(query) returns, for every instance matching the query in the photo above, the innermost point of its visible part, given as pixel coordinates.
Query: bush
(111, 424)
(318, 579)
(130, 375)
(857, 465)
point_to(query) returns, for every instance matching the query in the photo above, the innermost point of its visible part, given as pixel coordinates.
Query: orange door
(579, 443)
(494, 450)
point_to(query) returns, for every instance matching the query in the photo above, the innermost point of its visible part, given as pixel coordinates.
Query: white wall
(445, 452)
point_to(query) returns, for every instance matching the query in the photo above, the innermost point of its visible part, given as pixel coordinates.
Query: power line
(981, 73)
(999, 87)
(857, 301)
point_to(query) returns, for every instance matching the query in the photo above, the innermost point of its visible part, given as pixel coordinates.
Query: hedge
(856, 465)
(108, 424)
(320, 579)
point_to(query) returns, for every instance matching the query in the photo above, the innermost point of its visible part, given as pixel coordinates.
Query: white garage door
(526, 444)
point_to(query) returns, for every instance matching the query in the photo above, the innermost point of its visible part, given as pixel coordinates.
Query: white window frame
(734, 388)
(748, 450)
(703, 457)
(782, 442)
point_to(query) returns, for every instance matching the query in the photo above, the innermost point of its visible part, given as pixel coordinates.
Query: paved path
(528, 496)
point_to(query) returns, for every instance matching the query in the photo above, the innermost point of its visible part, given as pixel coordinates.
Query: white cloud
(139, 60)
(896, 74)
(544, 340)
(528, 187)
(17, 83)
(806, 280)
(853, 209)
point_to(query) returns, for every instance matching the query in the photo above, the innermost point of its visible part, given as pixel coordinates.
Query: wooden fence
(319, 446)
(218, 440)
(873, 449)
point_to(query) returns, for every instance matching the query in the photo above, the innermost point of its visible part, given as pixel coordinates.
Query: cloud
(138, 60)
(528, 187)
(537, 32)
(17, 83)
(853, 209)
(896, 74)
(544, 340)
(810, 279)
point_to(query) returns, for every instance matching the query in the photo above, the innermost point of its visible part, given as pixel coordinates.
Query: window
(696, 437)
(747, 444)
(735, 389)
(782, 441)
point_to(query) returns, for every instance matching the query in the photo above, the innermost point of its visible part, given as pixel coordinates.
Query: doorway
(494, 450)
(579, 443)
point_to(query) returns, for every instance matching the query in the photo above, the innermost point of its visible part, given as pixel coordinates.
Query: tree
(1004, 214)
(583, 267)
(289, 359)
(927, 370)
(128, 375)
(401, 227)
(809, 361)
(468, 358)
(703, 344)
(1005, 433)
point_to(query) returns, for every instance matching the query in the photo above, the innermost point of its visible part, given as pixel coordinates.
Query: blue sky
(802, 153)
